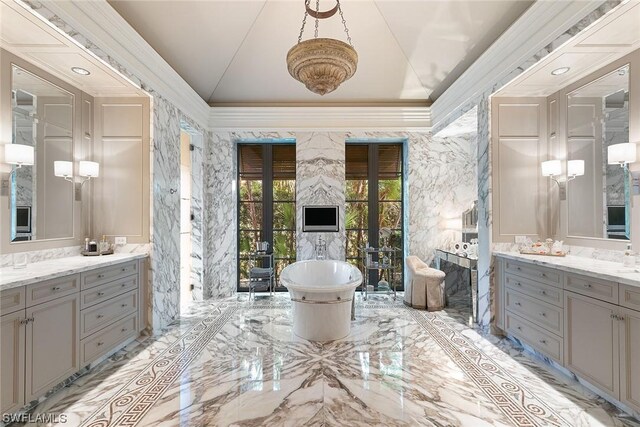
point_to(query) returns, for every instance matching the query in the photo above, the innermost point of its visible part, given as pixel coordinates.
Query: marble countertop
(51, 269)
(607, 270)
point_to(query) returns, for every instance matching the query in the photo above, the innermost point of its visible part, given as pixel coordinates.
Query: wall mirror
(598, 203)
(42, 116)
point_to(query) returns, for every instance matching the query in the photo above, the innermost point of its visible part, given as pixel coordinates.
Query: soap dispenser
(629, 259)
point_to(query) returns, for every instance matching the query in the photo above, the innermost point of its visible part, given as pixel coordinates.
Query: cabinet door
(52, 344)
(591, 341)
(12, 335)
(630, 358)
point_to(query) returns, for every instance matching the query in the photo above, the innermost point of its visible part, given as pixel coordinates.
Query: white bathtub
(321, 292)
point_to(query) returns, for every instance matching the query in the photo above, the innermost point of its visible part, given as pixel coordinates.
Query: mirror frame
(558, 150)
(7, 61)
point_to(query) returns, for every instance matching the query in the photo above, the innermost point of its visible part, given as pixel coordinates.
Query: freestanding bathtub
(322, 292)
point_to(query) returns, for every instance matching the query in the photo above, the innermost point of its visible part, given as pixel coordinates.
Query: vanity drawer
(97, 294)
(547, 293)
(541, 313)
(107, 274)
(97, 317)
(101, 343)
(12, 300)
(536, 337)
(630, 297)
(52, 289)
(595, 288)
(539, 274)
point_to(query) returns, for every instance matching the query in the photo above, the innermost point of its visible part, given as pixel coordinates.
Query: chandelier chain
(304, 21)
(344, 22)
(317, 19)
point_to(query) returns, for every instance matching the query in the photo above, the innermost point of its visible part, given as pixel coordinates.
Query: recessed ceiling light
(81, 71)
(559, 71)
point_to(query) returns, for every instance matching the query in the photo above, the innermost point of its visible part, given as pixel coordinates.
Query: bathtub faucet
(320, 248)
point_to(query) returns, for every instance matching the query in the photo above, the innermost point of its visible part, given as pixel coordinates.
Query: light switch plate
(120, 241)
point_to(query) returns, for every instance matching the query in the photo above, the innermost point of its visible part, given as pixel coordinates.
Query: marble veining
(51, 269)
(320, 171)
(238, 363)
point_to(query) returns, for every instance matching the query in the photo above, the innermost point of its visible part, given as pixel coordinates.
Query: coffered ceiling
(232, 52)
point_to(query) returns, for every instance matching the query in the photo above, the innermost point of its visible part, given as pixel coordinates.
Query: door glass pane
(355, 240)
(284, 216)
(390, 215)
(250, 216)
(284, 244)
(356, 215)
(284, 190)
(357, 189)
(250, 190)
(390, 189)
(248, 242)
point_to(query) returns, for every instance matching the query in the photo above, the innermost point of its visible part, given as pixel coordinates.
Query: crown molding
(538, 26)
(326, 118)
(101, 24)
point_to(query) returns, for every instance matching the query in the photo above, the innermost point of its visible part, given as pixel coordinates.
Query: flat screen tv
(23, 219)
(320, 218)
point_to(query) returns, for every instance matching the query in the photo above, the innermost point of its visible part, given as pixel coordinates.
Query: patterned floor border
(142, 392)
(519, 405)
(136, 398)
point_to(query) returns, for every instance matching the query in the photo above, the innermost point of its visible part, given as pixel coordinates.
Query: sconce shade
(551, 168)
(620, 154)
(89, 169)
(63, 168)
(18, 154)
(575, 168)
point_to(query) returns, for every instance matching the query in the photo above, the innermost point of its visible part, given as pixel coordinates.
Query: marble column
(320, 171)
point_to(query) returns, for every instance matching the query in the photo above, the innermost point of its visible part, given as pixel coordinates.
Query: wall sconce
(18, 155)
(622, 154)
(551, 168)
(575, 168)
(88, 170)
(63, 169)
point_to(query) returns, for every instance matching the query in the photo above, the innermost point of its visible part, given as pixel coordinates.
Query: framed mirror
(42, 117)
(598, 203)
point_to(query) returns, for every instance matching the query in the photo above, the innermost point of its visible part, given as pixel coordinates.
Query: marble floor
(238, 363)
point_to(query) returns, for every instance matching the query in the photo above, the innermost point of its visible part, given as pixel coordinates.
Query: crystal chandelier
(322, 64)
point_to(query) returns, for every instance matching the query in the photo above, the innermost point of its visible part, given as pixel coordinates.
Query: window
(267, 207)
(374, 200)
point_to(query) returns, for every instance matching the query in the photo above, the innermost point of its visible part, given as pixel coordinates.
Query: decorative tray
(531, 252)
(97, 253)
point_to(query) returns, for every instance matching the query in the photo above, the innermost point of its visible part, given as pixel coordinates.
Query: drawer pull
(615, 316)
(124, 330)
(518, 268)
(519, 328)
(587, 285)
(543, 274)
(100, 316)
(55, 288)
(543, 292)
(543, 314)
(543, 342)
(100, 294)
(517, 303)
(124, 269)
(99, 343)
(123, 285)
(518, 283)
(124, 305)
(620, 317)
(100, 276)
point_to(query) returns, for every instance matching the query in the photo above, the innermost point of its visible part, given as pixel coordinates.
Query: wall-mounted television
(320, 218)
(23, 219)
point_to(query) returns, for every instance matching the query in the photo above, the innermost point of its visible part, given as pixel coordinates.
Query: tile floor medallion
(238, 363)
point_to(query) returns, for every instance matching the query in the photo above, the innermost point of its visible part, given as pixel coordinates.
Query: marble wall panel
(320, 180)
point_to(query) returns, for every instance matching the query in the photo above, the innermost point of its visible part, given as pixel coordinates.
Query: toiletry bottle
(93, 246)
(86, 244)
(104, 245)
(629, 259)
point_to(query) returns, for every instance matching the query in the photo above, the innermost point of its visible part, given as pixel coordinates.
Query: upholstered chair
(425, 288)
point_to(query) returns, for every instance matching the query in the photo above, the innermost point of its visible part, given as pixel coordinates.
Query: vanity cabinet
(589, 325)
(12, 359)
(592, 347)
(53, 328)
(52, 344)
